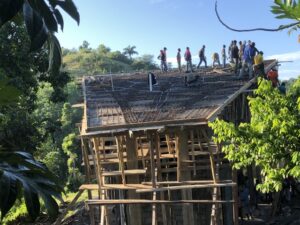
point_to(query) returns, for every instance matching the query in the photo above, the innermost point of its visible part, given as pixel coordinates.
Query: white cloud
(290, 56)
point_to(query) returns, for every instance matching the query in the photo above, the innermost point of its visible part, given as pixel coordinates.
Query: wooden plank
(126, 172)
(155, 202)
(186, 187)
(115, 186)
(161, 183)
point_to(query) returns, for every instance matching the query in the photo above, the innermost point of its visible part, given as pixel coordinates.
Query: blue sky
(152, 24)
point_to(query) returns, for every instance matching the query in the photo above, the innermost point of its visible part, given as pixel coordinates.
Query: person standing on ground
(223, 53)
(188, 59)
(202, 57)
(235, 55)
(178, 57)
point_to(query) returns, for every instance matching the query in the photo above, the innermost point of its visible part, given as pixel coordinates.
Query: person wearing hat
(259, 68)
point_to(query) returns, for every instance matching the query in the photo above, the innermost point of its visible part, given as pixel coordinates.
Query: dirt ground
(289, 214)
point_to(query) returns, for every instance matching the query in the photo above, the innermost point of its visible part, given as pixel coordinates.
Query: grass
(19, 212)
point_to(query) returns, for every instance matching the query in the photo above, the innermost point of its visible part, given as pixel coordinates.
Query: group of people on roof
(244, 57)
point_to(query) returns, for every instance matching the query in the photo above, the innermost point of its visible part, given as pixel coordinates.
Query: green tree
(144, 62)
(130, 51)
(85, 46)
(272, 138)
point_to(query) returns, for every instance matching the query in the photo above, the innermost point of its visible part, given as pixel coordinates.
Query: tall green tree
(272, 138)
(130, 51)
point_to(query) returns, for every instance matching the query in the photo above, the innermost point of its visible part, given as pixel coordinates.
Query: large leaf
(46, 13)
(69, 7)
(54, 54)
(51, 205)
(8, 9)
(34, 177)
(32, 202)
(59, 18)
(8, 193)
(35, 27)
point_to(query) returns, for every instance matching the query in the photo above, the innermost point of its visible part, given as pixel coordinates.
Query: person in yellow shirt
(259, 67)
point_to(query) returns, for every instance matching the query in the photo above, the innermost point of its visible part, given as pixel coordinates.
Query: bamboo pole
(152, 162)
(182, 175)
(135, 213)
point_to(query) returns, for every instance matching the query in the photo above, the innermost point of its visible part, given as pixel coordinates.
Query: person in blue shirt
(248, 57)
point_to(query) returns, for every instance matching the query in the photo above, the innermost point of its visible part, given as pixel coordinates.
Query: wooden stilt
(235, 199)
(182, 174)
(159, 177)
(135, 214)
(153, 178)
(193, 150)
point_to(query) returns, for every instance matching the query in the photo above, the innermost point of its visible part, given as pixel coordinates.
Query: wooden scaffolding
(150, 157)
(170, 176)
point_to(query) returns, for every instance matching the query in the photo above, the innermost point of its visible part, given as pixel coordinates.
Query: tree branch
(281, 27)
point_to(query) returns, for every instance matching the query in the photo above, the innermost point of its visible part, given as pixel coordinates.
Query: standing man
(165, 61)
(178, 57)
(235, 56)
(188, 59)
(202, 57)
(247, 61)
(223, 53)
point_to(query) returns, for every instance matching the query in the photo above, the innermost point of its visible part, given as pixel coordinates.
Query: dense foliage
(272, 138)
(26, 61)
(88, 61)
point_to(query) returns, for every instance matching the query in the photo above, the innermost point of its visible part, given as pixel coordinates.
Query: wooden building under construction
(150, 154)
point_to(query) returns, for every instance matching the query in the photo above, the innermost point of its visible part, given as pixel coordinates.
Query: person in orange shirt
(273, 76)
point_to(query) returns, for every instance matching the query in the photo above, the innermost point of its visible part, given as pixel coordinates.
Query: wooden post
(216, 215)
(235, 199)
(183, 175)
(135, 214)
(159, 177)
(99, 178)
(119, 141)
(153, 177)
(85, 155)
(193, 150)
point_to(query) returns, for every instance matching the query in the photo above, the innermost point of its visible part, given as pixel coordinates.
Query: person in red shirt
(273, 76)
(188, 59)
